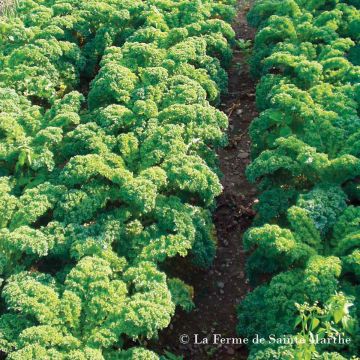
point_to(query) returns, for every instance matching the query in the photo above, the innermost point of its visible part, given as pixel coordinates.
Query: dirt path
(219, 290)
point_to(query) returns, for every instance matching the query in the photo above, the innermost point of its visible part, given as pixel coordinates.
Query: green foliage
(314, 324)
(108, 134)
(181, 294)
(270, 308)
(306, 160)
(317, 323)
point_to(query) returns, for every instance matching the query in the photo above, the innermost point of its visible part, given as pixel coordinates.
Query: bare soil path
(219, 289)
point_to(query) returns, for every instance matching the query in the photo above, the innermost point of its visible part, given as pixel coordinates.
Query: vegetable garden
(305, 146)
(111, 126)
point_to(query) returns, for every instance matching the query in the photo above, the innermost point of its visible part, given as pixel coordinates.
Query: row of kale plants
(305, 243)
(108, 133)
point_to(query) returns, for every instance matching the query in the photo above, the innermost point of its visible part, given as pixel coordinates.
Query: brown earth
(219, 289)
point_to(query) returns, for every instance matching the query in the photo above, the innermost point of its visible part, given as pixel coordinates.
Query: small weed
(211, 351)
(170, 356)
(246, 48)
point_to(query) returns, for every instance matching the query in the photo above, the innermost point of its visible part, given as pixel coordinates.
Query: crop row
(107, 168)
(305, 245)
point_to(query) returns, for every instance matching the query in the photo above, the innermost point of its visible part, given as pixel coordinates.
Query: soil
(219, 289)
